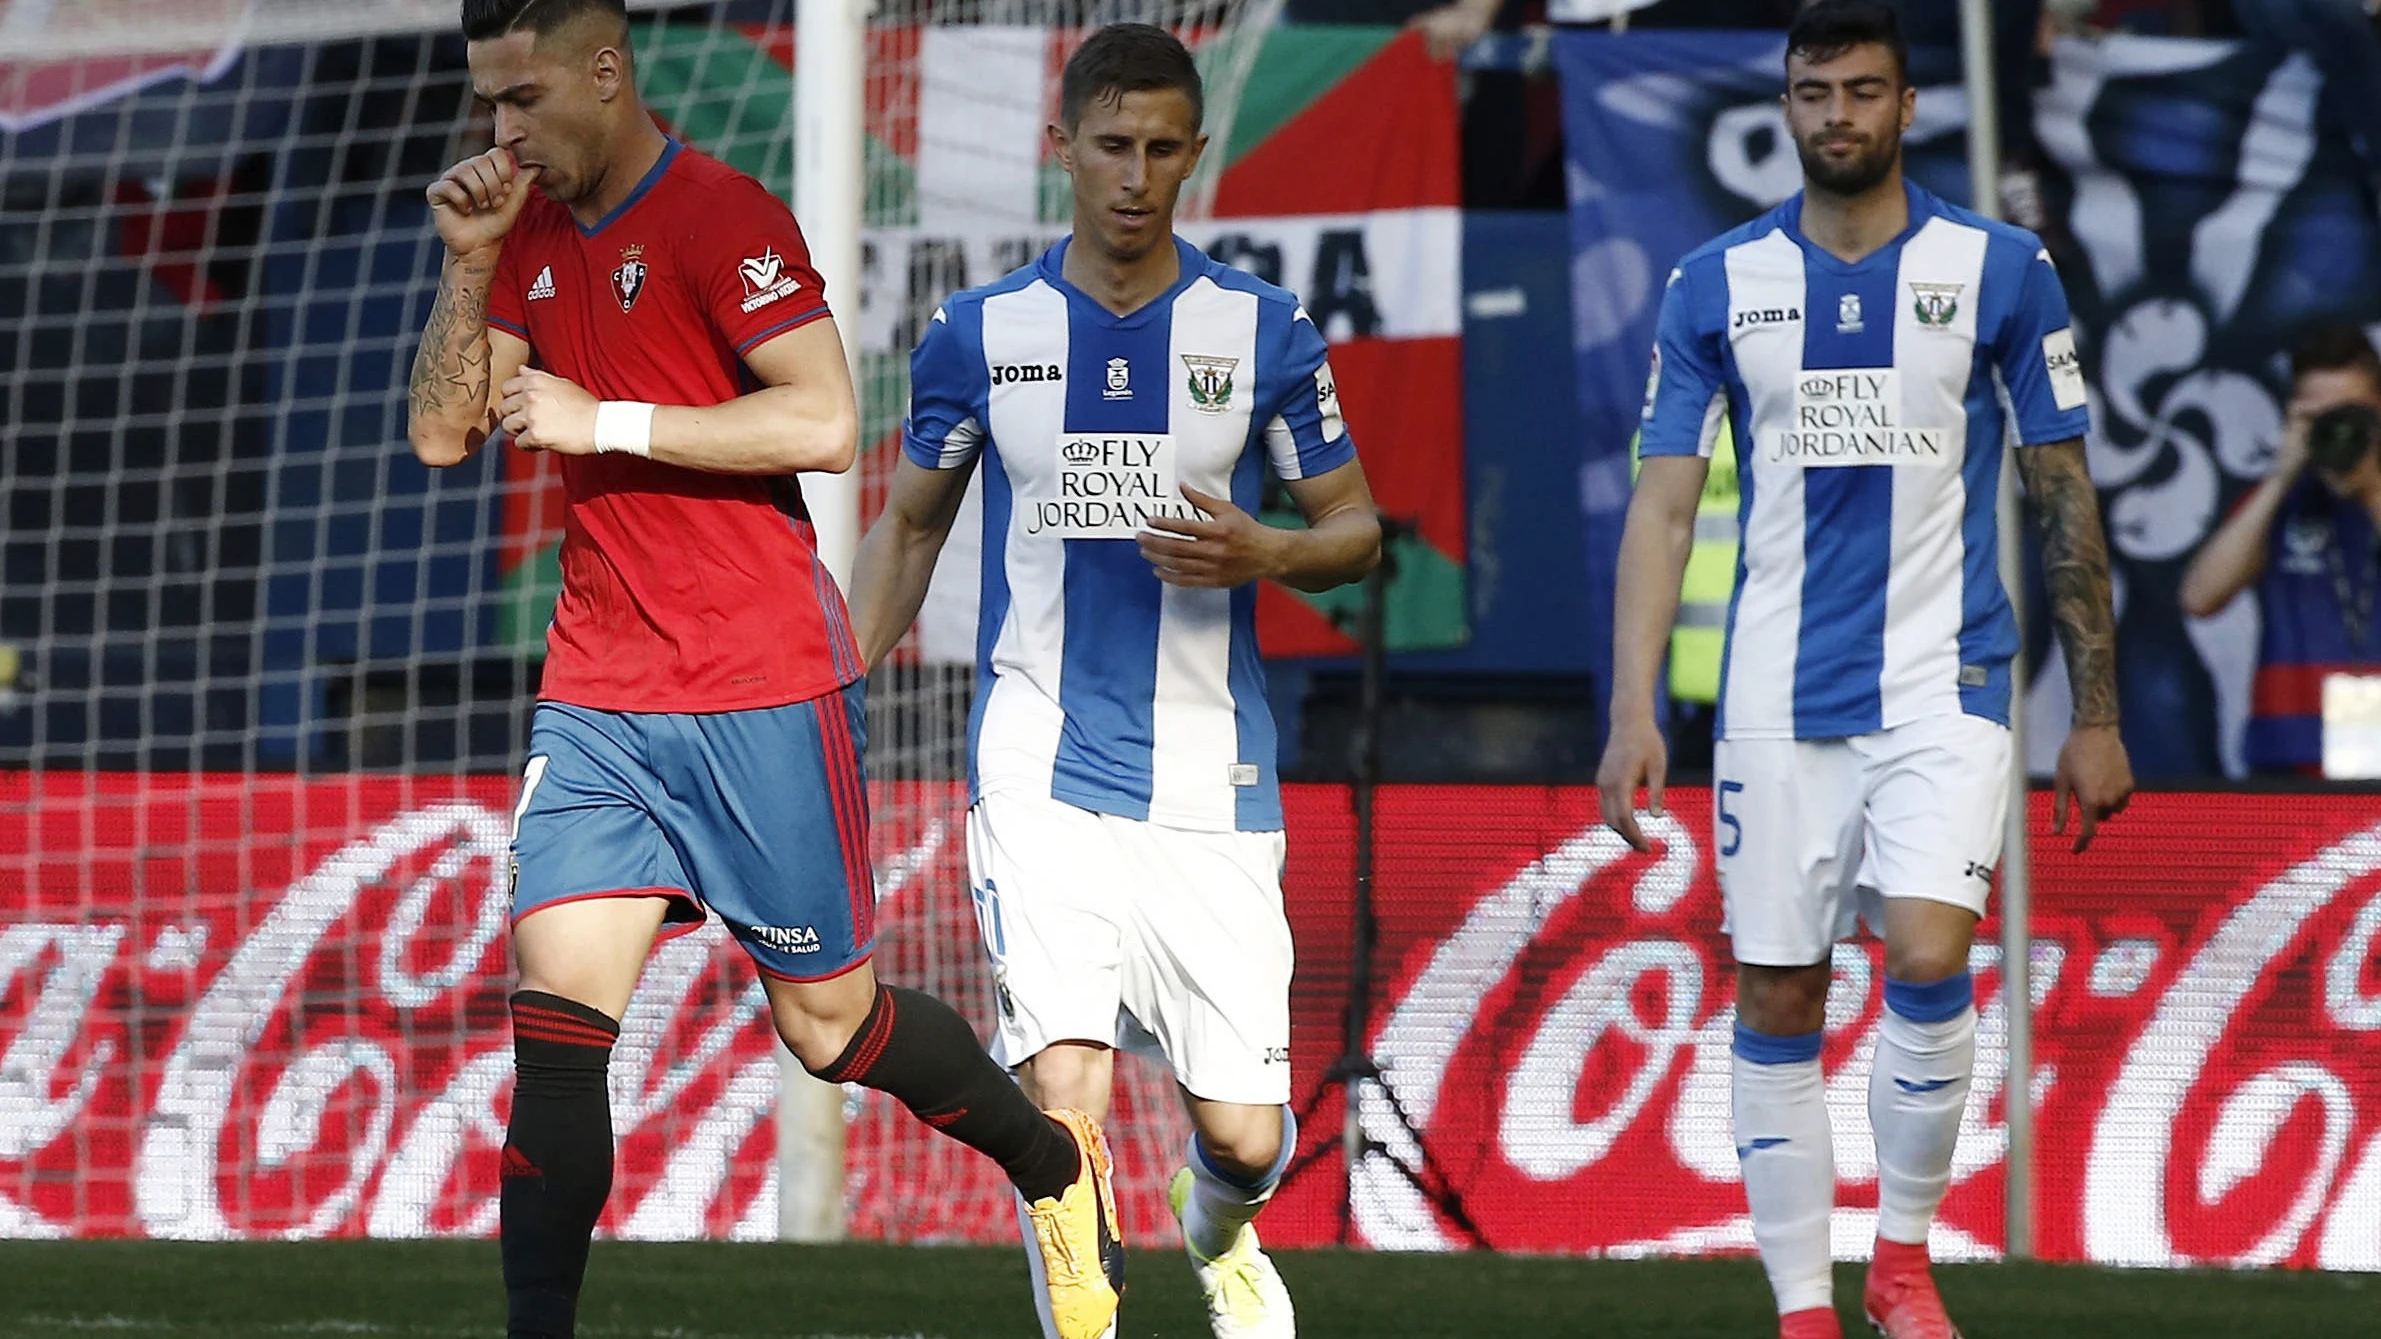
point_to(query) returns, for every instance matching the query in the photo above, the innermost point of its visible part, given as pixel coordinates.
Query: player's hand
(2095, 774)
(1635, 755)
(1232, 549)
(545, 413)
(476, 202)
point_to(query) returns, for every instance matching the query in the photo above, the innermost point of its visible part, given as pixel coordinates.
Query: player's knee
(578, 988)
(816, 1022)
(817, 1043)
(1069, 1075)
(1926, 963)
(1246, 1148)
(1782, 1001)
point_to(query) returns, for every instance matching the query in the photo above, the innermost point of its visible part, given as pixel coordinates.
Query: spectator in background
(2309, 538)
(2339, 36)
(1933, 26)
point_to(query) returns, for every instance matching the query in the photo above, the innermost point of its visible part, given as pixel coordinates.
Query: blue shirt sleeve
(1686, 389)
(945, 429)
(1304, 434)
(2037, 359)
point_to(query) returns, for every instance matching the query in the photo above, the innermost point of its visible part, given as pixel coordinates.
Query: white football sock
(1218, 1206)
(1926, 1055)
(1787, 1151)
(1041, 1279)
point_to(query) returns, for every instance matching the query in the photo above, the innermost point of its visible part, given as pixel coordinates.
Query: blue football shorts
(761, 816)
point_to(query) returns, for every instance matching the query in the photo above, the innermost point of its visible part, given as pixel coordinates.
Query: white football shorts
(1811, 835)
(1116, 931)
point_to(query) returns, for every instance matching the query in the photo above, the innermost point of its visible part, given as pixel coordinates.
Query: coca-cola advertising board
(1553, 1014)
(259, 1007)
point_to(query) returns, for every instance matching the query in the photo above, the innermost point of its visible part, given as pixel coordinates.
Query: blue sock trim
(1272, 1174)
(1934, 1003)
(1764, 1049)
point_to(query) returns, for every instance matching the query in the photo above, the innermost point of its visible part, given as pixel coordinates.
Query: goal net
(265, 681)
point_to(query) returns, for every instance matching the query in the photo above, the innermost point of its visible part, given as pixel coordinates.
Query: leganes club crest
(1210, 382)
(629, 280)
(1936, 305)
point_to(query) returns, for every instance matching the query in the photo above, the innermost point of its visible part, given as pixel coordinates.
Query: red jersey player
(650, 316)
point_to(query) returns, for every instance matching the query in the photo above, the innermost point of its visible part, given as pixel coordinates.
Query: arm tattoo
(2075, 566)
(452, 366)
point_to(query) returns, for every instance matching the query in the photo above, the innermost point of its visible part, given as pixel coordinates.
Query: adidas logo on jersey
(544, 285)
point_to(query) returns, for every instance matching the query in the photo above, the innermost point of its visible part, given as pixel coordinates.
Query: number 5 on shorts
(1728, 820)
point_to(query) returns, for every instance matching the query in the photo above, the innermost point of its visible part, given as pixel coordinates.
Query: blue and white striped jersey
(1870, 403)
(1097, 684)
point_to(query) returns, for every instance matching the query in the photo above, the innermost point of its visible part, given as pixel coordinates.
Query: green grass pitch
(720, 1291)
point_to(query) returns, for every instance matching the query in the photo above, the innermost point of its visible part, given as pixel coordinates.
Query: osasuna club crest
(629, 280)
(1210, 382)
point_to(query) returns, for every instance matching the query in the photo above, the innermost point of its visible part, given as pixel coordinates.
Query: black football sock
(557, 1159)
(919, 1050)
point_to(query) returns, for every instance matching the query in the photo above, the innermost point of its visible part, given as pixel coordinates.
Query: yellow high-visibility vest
(1699, 638)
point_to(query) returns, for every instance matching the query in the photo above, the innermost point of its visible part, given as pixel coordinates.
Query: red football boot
(1901, 1300)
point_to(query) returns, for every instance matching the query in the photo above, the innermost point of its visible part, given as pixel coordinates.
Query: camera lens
(2341, 436)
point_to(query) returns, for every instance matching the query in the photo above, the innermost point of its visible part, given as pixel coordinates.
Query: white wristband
(624, 425)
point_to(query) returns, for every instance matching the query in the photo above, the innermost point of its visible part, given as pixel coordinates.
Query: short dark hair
(1128, 58)
(1829, 28)
(487, 19)
(2335, 346)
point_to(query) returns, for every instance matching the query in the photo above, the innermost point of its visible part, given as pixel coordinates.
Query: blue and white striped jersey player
(1874, 351)
(1123, 397)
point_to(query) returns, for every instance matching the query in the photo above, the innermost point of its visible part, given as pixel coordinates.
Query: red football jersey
(682, 590)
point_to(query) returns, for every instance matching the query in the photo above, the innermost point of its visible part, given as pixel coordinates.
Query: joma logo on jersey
(1753, 316)
(629, 280)
(1011, 374)
(786, 938)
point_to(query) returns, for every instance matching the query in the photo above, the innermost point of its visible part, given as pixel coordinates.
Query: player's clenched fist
(475, 203)
(545, 413)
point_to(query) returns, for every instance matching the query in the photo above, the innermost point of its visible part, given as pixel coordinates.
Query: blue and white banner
(2210, 217)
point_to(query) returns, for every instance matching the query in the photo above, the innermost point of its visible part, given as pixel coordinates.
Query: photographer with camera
(2309, 538)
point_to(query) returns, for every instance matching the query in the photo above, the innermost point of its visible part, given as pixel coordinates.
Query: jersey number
(534, 773)
(1728, 820)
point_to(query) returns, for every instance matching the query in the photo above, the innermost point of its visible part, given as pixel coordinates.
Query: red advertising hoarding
(252, 1007)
